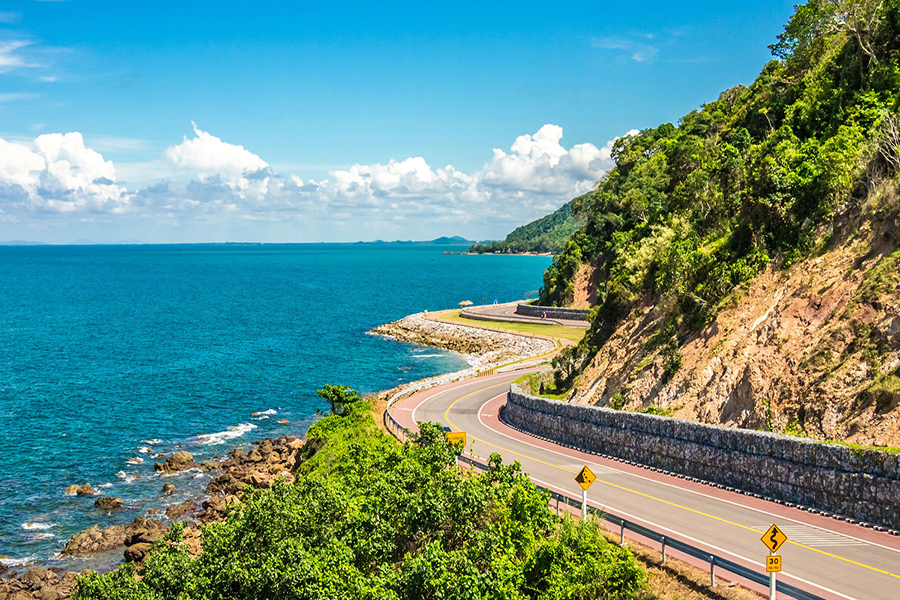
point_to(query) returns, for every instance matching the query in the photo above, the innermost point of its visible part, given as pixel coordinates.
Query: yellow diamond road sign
(773, 538)
(585, 477)
(456, 437)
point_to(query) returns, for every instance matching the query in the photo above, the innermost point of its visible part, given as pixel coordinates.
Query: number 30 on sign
(773, 563)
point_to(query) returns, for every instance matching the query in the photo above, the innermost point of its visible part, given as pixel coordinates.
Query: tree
(339, 396)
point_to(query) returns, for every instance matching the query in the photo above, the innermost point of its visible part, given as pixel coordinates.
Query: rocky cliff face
(814, 350)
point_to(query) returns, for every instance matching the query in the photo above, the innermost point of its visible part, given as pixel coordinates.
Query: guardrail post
(664, 549)
(712, 571)
(622, 534)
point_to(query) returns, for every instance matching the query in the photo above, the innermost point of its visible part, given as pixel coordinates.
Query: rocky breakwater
(485, 347)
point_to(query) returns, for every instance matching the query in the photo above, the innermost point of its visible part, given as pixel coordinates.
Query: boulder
(93, 539)
(109, 503)
(80, 490)
(179, 510)
(177, 462)
(168, 488)
(209, 465)
(137, 552)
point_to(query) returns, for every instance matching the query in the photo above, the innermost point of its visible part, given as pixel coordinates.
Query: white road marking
(698, 493)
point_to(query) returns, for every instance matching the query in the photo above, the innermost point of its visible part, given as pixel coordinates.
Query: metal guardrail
(715, 561)
(666, 542)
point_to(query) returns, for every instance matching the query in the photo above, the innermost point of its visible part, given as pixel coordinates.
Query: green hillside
(765, 174)
(547, 234)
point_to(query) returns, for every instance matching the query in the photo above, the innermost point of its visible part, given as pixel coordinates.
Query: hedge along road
(827, 557)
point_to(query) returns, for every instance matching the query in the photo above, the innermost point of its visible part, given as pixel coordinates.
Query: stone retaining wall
(860, 484)
(552, 312)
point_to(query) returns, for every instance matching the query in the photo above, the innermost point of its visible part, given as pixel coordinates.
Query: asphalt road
(830, 558)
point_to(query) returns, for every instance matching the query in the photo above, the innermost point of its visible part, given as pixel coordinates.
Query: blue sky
(317, 123)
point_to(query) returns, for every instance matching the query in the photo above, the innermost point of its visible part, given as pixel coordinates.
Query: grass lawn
(573, 334)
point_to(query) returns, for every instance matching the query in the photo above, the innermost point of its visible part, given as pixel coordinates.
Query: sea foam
(213, 439)
(33, 526)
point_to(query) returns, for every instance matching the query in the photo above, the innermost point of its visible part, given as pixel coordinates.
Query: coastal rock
(137, 552)
(109, 503)
(267, 460)
(80, 490)
(177, 462)
(169, 488)
(179, 510)
(94, 539)
(39, 583)
(209, 465)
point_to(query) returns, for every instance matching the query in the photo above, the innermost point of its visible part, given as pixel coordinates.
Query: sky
(170, 122)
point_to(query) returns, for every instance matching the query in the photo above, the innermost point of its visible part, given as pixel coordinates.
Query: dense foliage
(368, 518)
(762, 175)
(547, 234)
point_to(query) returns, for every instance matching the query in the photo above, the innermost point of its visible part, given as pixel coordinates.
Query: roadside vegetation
(765, 175)
(370, 518)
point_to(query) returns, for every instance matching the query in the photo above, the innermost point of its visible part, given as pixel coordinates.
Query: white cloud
(9, 57)
(207, 181)
(14, 97)
(209, 157)
(57, 173)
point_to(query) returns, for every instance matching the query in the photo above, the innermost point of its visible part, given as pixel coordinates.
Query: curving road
(830, 558)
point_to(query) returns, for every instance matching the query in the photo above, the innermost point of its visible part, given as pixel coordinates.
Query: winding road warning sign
(773, 538)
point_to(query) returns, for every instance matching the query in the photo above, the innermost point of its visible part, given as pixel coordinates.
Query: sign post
(773, 539)
(584, 478)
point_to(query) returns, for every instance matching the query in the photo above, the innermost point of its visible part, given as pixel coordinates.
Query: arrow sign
(773, 538)
(585, 478)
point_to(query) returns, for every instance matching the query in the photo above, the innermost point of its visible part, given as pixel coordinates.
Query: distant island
(455, 240)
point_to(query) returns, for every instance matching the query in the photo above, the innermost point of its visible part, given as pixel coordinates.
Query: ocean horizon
(114, 354)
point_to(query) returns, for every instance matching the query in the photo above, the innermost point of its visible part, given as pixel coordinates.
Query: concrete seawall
(552, 312)
(855, 483)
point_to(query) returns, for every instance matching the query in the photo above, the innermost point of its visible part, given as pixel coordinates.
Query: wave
(122, 475)
(18, 562)
(428, 355)
(261, 418)
(152, 442)
(34, 526)
(137, 460)
(214, 439)
(271, 411)
(104, 485)
(145, 449)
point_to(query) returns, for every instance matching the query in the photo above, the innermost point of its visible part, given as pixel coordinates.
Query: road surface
(830, 558)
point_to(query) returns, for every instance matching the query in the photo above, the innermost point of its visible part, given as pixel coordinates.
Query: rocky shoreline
(483, 348)
(258, 468)
(266, 461)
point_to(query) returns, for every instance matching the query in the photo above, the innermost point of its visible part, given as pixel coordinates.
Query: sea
(113, 355)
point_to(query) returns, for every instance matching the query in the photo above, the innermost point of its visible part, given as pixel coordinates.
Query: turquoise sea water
(111, 353)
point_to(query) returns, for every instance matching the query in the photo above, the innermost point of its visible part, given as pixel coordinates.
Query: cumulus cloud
(207, 180)
(57, 173)
(209, 157)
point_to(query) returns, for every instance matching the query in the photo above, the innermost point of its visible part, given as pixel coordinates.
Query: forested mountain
(795, 174)
(547, 234)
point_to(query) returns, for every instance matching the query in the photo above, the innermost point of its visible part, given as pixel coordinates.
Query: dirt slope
(814, 350)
